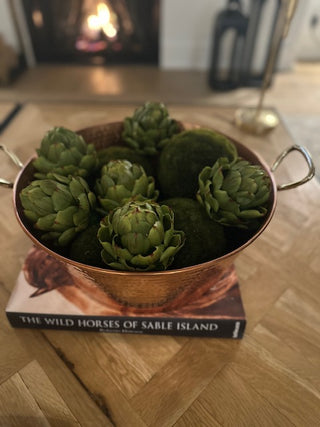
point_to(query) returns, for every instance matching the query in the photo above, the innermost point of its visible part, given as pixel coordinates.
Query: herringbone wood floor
(269, 378)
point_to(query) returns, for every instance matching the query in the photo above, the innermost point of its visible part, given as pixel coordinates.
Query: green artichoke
(139, 236)
(122, 181)
(150, 127)
(182, 160)
(116, 152)
(59, 206)
(234, 193)
(65, 153)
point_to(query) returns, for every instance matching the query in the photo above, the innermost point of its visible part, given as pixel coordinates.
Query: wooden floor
(270, 378)
(294, 91)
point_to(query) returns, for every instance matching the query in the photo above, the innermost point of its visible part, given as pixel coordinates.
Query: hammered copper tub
(149, 291)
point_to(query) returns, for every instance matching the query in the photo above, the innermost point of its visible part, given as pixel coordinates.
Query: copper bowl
(155, 291)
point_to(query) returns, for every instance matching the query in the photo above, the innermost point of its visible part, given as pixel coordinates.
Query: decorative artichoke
(234, 194)
(182, 160)
(121, 182)
(139, 236)
(150, 127)
(60, 206)
(65, 153)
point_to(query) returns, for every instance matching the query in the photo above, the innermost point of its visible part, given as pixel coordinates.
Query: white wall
(7, 28)
(185, 32)
(308, 45)
(186, 28)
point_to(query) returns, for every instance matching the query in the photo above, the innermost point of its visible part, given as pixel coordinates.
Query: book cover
(50, 294)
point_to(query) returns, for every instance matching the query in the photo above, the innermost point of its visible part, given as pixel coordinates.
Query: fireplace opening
(94, 31)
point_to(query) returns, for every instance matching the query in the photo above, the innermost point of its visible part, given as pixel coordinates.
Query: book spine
(218, 328)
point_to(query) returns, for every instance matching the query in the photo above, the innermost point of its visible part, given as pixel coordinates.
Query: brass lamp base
(255, 121)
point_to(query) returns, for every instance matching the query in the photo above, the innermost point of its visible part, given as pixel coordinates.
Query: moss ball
(237, 237)
(184, 157)
(205, 239)
(118, 152)
(86, 247)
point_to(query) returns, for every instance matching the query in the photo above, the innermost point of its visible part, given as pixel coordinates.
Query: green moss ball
(184, 157)
(86, 247)
(205, 239)
(118, 152)
(237, 237)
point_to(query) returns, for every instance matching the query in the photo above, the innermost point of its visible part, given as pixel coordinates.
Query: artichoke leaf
(43, 206)
(64, 218)
(148, 260)
(252, 213)
(136, 243)
(156, 234)
(46, 222)
(31, 215)
(66, 237)
(61, 199)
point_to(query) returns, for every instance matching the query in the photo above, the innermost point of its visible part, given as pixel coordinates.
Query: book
(50, 294)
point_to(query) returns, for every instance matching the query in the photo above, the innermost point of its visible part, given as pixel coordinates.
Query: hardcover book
(50, 294)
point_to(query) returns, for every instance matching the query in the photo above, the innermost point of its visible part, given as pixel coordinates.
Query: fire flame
(103, 21)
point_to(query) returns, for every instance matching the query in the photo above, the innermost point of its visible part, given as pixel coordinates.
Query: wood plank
(83, 404)
(300, 332)
(304, 279)
(153, 352)
(129, 373)
(13, 354)
(287, 355)
(197, 412)
(261, 283)
(45, 394)
(17, 405)
(117, 375)
(307, 246)
(171, 391)
(20, 347)
(297, 400)
(230, 401)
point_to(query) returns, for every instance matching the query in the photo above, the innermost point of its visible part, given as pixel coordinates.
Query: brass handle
(308, 159)
(15, 160)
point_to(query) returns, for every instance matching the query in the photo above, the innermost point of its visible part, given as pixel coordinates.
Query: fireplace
(94, 31)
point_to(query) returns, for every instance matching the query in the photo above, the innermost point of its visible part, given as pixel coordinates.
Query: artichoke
(150, 127)
(139, 236)
(65, 153)
(234, 193)
(122, 181)
(182, 160)
(59, 206)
